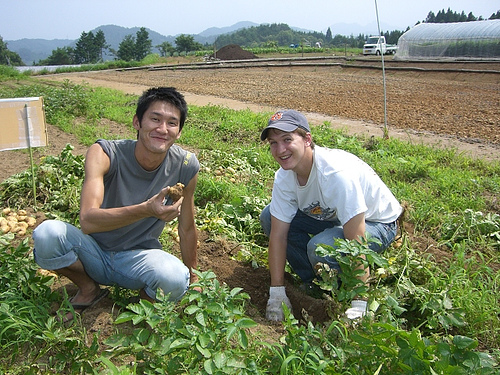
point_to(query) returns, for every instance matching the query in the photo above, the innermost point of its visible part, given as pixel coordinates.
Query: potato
(175, 192)
(15, 228)
(11, 222)
(23, 224)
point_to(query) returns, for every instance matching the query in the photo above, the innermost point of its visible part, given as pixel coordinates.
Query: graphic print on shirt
(316, 211)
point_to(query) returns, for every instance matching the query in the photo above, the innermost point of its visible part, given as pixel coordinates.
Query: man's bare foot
(86, 295)
(81, 302)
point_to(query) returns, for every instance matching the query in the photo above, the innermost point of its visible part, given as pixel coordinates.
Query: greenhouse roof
(489, 29)
(469, 40)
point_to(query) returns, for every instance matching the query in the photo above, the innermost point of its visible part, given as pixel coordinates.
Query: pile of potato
(15, 222)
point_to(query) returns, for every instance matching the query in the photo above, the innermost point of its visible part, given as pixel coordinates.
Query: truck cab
(376, 45)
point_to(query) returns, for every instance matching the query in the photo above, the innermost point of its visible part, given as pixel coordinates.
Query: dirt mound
(234, 52)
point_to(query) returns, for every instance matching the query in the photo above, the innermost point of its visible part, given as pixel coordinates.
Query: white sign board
(22, 123)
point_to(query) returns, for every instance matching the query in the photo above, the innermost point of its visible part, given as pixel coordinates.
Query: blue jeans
(306, 233)
(59, 244)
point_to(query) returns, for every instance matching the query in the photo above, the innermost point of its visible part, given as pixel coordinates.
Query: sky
(67, 19)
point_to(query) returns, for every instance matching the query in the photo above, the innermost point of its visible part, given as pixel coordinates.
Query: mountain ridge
(33, 50)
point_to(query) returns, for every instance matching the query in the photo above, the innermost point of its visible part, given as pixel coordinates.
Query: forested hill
(282, 35)
(34, 50)
(279, 34)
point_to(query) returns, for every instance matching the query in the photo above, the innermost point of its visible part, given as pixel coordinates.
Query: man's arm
(188, 235)
(353, 230)
(93, 218)
(355, 227)
(277, 251)
(277, 261)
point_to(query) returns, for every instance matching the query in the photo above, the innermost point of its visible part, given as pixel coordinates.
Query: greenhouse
(459, 40)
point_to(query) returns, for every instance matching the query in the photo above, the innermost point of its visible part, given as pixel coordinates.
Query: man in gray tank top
(124, 207)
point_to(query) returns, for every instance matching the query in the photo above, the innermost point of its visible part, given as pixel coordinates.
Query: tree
(126, 49)
(392, 37)
(88, 50)
(82, 50)
(495, 16)
(8, 57)
(270, 44)
(328, 36)
(142, 44)
(100, 44)
(284, 38)
(186, 43)
(166, 49)
(60, 56)
(450, 16)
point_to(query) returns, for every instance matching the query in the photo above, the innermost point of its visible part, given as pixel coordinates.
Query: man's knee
(317, 241)
(49, 249)
(47, 236)
(174, 284)
(48, 230)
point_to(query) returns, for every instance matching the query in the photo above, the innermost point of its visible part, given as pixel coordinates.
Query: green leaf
(200, 318)
(125, 317)
(464, 342)
(243, 339)
(142, 335)
(245, 323)
(204, 340)
(191, 309)
(447, 303)
(203, 351)
(230, 331)
(180, 343)
(137, 319)
(235, 291)
(214, 307)
(219, 360)
(209, 366)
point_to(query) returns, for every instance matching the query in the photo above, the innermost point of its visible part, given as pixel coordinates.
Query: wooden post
(28, 136)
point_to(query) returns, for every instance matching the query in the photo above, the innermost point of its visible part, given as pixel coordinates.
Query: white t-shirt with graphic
(339, 187)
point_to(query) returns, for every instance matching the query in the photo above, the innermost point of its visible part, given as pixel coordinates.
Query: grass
(431, 311)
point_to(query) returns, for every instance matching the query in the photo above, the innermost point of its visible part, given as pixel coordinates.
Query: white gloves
(277, 296)
(357, 310)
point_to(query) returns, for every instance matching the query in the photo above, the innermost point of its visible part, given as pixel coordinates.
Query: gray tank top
(127, 183)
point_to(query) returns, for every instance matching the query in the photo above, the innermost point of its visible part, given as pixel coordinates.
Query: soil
(233, 52)
(459, 110)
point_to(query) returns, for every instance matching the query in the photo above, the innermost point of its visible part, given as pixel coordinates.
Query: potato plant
(427, 315)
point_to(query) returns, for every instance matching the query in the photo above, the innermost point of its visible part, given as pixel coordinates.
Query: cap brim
(281, 126)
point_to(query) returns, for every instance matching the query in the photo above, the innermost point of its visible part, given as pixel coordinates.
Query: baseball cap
(287, 121)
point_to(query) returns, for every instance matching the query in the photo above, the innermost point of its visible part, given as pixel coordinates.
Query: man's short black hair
(163, 94)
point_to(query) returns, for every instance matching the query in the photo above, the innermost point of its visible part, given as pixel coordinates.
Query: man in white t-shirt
(319, 194)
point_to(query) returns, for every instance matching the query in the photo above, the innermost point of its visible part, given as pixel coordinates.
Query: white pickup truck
(376, 46)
